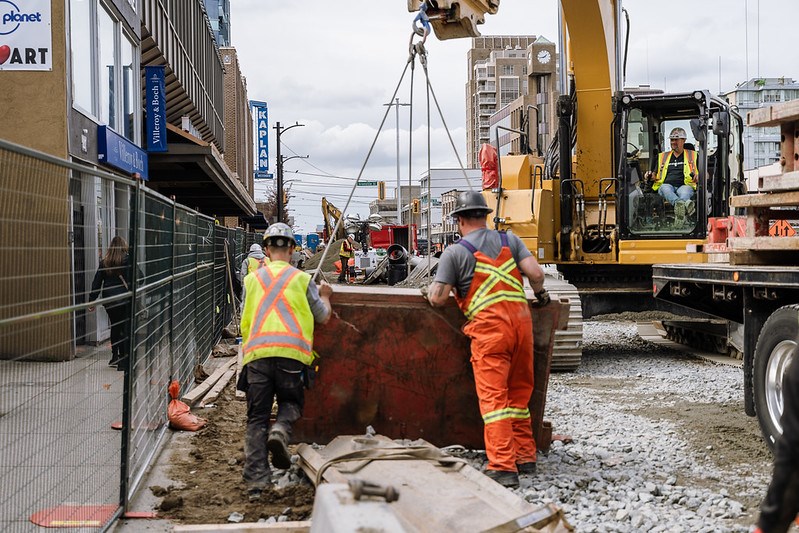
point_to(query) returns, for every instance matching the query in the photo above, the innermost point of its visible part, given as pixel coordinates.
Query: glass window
(106, 59)
(80, 17)
(105, 67)
(129, 96)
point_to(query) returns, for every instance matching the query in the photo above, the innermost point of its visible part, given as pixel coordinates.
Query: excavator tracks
(567, 353)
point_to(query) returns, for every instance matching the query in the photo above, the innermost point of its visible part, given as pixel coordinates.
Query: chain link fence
(76, 432)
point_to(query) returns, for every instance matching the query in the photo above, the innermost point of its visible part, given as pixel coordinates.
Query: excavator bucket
(391, 361)
(452, 19)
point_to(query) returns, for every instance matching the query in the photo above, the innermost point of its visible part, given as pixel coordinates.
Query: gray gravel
(632, 469)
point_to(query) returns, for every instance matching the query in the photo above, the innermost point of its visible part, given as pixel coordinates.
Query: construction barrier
(61, 461)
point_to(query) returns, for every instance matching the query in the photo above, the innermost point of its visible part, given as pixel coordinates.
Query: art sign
(25, 35)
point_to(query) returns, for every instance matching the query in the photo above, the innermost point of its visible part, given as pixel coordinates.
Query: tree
(269, 206)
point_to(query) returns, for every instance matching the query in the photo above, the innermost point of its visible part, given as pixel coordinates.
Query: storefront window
(80, 17)
(107, 62)
(105, 67)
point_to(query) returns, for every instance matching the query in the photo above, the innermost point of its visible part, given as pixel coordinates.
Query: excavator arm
(331, 215)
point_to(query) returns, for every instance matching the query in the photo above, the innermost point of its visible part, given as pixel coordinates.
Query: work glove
(543, 297)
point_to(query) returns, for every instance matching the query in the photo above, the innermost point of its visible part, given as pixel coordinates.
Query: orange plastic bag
(179, 414)
(489, 164)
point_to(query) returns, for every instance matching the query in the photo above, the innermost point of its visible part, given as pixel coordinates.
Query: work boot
(690, 208)
(278, 445)
(679, 212)
(526, 468)
(254, 494)
(504, 477)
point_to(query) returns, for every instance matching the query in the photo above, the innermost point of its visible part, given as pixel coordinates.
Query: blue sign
(116, 151)
(313, 241)
(261, 140)
(155, 103)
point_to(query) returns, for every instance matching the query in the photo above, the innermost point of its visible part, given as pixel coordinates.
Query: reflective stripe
(272, 294)
(277, 339)
(504, 414)
(486, 296)
(663, 162)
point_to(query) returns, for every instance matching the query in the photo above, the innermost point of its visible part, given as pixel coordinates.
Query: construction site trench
(660, 443)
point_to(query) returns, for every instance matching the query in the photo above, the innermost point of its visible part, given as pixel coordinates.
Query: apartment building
(761, 145)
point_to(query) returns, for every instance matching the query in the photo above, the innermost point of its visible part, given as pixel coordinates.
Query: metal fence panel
(61, 457)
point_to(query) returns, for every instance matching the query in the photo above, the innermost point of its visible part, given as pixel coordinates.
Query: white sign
(25, 36)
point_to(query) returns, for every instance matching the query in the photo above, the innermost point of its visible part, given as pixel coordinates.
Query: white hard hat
(279, 235)
(678, 133)
(351, 236)
(256, 248)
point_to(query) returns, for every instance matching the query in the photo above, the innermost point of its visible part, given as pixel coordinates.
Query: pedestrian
(277, 327)
(345, 253)
(781, 505)
(113, 278)
(484, 269)
(255, 259)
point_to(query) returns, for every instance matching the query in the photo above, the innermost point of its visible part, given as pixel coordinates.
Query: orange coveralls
(500, 327)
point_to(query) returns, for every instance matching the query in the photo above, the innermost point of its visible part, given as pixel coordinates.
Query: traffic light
(381, 190)
(285, 197)
(415, 206)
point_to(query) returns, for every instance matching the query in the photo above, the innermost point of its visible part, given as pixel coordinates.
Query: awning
(195, 172)
(256, 222)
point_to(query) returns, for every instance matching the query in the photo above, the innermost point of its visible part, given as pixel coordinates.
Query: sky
(332, 66)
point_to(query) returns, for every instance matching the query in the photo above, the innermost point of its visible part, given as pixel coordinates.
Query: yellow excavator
(585, 205)
(331, 215)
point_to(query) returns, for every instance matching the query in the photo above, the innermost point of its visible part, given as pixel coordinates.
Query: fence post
(127, 396)
(172, 296)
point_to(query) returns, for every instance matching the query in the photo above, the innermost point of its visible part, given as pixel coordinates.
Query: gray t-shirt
(318, 307)
(456, 264)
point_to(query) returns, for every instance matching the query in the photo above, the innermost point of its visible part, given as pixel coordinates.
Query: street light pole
(396, 103)
(280, 130)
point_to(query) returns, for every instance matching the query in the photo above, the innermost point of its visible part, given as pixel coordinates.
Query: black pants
(345, 266)
(266, 379)
(781, 505)
(119, 316)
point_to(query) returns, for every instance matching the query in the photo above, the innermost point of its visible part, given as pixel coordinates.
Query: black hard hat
(470, 201)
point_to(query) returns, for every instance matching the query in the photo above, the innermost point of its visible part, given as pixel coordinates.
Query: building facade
(440, 181)
(219, 18)
(502, 69)
(92, 93)
(761, 145)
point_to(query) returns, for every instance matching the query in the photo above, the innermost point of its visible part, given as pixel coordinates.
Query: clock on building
(543, 57)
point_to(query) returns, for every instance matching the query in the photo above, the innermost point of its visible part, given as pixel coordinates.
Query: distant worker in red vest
(677, 175)
(254, 260)
(346, 252)
(277, 327)
(485, 269)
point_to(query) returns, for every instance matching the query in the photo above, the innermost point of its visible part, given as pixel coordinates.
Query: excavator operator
(485, 269)
(676, 175)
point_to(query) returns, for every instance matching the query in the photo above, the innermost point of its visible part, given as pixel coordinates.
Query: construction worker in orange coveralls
(485, 268)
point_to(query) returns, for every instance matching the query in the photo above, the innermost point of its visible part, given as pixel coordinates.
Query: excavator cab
(643, 125)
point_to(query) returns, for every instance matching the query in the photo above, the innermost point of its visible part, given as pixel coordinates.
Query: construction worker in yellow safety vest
(345, 254)
(277, 327)
(677, 175)
(254, 260)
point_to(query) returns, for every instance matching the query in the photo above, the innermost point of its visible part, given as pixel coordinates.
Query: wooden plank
(788, 181)
(213, 394)
(774, 115)
(763, 243)
(200, 390)
(280, 527)
(774, 199)
(475, 502)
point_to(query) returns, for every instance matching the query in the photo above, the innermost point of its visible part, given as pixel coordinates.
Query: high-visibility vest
(254, 264)
(495, 280)
(277, 320)
(689, 167)
(346, 249)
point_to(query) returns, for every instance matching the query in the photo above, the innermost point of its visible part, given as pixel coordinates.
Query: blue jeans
(684, 192)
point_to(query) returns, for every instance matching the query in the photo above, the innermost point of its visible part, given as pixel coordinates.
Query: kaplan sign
(25, 36)
(261, 115)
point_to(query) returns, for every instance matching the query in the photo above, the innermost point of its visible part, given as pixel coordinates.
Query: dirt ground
(208, 485)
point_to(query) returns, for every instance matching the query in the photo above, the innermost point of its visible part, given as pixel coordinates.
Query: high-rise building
(219, 16)
(761, 145)
(502, 70)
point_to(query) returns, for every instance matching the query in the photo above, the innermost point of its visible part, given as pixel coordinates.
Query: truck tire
(773, 353)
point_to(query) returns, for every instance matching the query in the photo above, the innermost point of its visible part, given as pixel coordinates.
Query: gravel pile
(661, 442)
